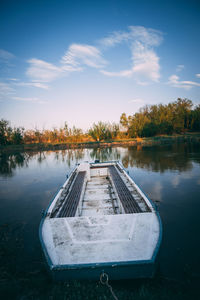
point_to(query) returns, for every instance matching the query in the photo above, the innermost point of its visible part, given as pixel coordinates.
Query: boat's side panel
(114, 272)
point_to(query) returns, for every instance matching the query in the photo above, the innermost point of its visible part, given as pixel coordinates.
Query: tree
(181, 114)
(194, 123)
(17, 136)
(100, 131)
(5, 132)
(124, 121)
(114, 130)
(137, 123)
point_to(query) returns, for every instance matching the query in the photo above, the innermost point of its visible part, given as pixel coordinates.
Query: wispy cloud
(145, 63)
(42, 71)
(5, 56)
(137, 100)
(29, 99)
(13, 79)
(5, 90)
(125, 73)
(198, 75)
(6, 62)
(78, 55)
(147, 36)
(179, 68)
(144, 60)
(32, 84)
(187, 85)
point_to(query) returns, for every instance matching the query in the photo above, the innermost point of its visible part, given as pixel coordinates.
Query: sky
(82, 62)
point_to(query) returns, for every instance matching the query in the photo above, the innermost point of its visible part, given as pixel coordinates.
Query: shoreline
(146, 141)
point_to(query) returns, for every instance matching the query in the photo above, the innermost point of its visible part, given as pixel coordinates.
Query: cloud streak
(32, 84)
(5, 90)
(147, 36)
(78, 55)
(29, 99)
(42, 71)
(179, 68)
(5, 56)
(187, 85)
(137, 100)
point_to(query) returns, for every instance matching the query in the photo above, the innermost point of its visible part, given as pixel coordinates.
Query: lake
(168, 174)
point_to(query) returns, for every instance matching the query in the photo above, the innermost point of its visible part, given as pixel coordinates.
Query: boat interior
(98, 189)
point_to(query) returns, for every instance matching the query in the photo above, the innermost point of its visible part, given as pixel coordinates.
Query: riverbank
(147, 141)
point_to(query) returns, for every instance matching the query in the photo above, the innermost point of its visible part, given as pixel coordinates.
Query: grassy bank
(162, 139)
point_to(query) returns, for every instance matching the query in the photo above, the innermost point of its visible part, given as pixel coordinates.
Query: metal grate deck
(128, 202)
(71, 202)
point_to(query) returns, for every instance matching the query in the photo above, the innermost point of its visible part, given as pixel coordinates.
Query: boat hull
(115, 271)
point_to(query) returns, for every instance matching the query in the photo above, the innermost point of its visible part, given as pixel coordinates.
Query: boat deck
(101, 239)
(99, 197)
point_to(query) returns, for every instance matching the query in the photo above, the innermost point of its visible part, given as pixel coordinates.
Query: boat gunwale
(59, 191)
(101, 264)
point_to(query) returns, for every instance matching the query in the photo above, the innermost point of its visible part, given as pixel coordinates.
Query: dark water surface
(169, 175)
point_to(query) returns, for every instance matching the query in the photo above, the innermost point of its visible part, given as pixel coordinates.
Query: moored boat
(100, 222)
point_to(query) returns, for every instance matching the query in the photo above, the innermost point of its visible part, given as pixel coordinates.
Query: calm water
(169, 175)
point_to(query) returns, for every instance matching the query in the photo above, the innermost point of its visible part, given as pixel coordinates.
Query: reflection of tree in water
(156, 158)
(69, 155)
(160, 158)
(74, 155)
(9, 162)
(105, 154)
(41, 156)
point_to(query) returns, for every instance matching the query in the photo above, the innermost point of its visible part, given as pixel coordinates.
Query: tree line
(176, 117)
(151, 120)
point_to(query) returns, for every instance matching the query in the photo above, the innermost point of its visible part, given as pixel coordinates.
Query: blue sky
(86, 61)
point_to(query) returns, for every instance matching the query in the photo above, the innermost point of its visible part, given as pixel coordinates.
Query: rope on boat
(104, 281)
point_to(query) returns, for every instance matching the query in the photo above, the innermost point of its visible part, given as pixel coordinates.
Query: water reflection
(9, 162)
(161, 158)
(155, 158)
(105, 154)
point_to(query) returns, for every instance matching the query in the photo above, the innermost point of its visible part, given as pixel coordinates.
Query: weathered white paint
(97, 199)
(85, 167)
(98, 239)
(99, 172)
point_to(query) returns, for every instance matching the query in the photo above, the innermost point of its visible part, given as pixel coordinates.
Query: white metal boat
(100, 222)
